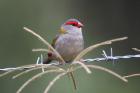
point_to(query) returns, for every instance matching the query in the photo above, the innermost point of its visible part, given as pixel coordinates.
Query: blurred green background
(102, 19)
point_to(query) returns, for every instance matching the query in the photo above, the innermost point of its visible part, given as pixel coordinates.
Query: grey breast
(69, 46)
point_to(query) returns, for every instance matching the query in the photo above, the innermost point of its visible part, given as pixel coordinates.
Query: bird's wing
(54, 41)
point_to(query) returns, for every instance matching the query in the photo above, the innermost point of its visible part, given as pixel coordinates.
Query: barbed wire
(111, 57)
(105, 57)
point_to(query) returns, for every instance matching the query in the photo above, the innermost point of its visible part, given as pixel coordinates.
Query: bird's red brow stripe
(71, 22)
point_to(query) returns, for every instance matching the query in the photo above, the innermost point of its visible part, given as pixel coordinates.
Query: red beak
(80, 25)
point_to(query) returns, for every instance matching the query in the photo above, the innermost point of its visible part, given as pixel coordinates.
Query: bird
(68, 42)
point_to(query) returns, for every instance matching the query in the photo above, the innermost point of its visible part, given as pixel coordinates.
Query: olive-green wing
(54, 41)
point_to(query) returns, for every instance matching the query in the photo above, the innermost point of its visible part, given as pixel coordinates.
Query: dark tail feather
(47, 61)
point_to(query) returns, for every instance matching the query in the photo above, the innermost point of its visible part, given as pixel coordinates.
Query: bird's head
(71, 26)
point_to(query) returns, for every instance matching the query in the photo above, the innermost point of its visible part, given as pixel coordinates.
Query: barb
(41, 62)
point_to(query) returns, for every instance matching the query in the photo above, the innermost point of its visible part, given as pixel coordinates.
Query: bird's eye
(74, 24)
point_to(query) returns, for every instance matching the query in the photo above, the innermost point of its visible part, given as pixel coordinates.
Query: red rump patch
(73, 23)
(49, 54)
